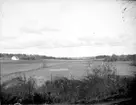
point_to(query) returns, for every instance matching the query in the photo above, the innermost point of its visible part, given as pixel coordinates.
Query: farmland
(102, 86)
(67, 68)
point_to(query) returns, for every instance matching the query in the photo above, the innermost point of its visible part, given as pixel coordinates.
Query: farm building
(14, 58)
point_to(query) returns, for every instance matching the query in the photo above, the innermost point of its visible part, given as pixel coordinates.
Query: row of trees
(104, 57)
(117, 57)
(32, 57)
(26, 56)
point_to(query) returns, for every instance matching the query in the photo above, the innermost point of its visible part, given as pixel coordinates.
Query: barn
(14, 58)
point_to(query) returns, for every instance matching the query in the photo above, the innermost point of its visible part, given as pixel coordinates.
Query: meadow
(80, 82)
(50, 67)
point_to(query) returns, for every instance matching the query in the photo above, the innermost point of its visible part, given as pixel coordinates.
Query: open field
(102, 89)
(46, 68)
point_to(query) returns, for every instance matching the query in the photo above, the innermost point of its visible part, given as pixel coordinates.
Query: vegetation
(25, 56)
(134, 60)
(101, 85)
(38, 57)
(31, 57)
(114, 57)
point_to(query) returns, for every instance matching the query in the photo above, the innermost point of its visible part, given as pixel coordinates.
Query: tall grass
(102, 84)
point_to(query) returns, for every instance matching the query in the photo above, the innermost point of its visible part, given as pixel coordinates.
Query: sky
(68, 28)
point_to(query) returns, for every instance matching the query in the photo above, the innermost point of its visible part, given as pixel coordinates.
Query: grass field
(76, 68)
(98, 88)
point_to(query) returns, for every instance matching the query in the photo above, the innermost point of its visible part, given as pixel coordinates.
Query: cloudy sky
(71, 28)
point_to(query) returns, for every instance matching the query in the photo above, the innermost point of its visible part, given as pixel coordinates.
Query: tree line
(25, 56)
(115, 57)
(31, 56)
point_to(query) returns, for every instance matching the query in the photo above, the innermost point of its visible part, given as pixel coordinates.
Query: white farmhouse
(14, 58)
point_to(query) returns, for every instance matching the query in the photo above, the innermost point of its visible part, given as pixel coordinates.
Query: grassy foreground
(102, 85)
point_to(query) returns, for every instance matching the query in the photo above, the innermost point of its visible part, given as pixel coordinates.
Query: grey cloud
(27, 30)
(57, 44)
(90, 41)
(8, 45)
(115, 43)
(94, 41)
(49, 29)
(68, 44)
(134, 46)
(37, 31)
(16, 44)
(5, 38)
(39, 43)
(86, 40)
(51, 43)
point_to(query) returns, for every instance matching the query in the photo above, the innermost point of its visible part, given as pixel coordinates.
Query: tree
(134, 60)
(114, 57)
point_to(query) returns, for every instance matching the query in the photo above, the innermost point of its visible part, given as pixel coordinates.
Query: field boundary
(29, 70)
